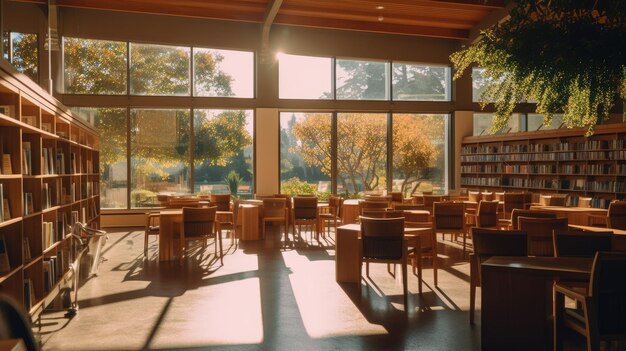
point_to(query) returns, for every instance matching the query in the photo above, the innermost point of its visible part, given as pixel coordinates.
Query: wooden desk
(170, 227)
(249, 215)
(619, 236)
(517, 299)
(347, 251)
(574, 215)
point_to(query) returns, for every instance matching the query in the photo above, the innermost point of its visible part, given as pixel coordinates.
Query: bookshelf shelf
(561, 161)
(44, 152)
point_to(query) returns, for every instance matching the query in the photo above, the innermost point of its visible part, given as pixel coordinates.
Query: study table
(574, 215)
(350, 211)
(619, 235)
(516, 299)
(347, 256)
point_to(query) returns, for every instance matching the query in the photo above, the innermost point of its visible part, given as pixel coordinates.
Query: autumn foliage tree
(362, 148)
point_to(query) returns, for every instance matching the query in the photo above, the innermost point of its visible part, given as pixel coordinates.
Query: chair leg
(221, 251)
(472, 299)
(405, 283)
(558, 307)
(367, 269)
(435, 268)
(145, 245)
(418, 258)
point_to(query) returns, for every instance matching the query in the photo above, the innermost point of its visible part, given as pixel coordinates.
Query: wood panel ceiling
(433, 18)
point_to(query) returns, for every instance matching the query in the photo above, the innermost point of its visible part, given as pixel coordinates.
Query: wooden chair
(152, 228)
(603, 302)
(382, 241)
(539, 232)
(499, 196)
(225, 213)
(449, 217)
(584, 202)
(289, 203)
(492, 242)
(512, 201)
(528, 213)
(558, 200)
(616, 216)
(331, 213)
(366, 205)
(397, 198)
(487, 196)
(275, 210)
(200, 224)
(404, 207)
(180, 202)
(379, 198)
(474, 196)
(424, 245)
(487, 214)
(580, 243)
(305, 213)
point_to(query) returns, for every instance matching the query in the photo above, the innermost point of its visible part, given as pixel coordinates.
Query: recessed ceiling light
(381, 18)
(380, 7)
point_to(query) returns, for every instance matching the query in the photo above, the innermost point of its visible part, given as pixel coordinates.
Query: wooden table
(516, 299)
(574, 215)
(350, 211)
(619, 235)
(347, 251)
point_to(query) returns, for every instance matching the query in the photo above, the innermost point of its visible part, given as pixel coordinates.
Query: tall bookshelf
(49, 178)
(555, 161)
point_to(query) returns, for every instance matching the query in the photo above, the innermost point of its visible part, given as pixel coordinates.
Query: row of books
(531, 183)
(52, 270)
(492, 168)
(5, 209)
(49, 234)
(590, 145)
(47, 161)
(484, 181)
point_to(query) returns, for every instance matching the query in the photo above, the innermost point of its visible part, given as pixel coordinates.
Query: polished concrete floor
(262, 298)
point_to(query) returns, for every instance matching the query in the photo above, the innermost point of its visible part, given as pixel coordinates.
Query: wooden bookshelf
(556, 161)
(38, 136)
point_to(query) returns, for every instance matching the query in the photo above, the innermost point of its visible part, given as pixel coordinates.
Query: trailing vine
(568, 56)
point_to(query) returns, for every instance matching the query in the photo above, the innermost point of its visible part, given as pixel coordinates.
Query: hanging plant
(567, 56)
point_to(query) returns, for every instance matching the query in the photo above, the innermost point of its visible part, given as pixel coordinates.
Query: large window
(419, 153)
(479, 83)
(305, 153)
(483, 123)
(361, 153)
(420, 83)
(111, 124)
(535, 122)
(159, 69)
(362, 80)
(304, 77)
(21, 49)
(159, 149)
(94, 66)
(223, 152)
(223, 73)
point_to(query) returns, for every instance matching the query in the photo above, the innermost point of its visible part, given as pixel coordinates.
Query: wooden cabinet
(559, 161)
(49, 178)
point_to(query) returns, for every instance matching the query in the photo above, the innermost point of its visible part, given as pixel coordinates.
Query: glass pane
(362, 80)
(479, 83)
(535, 122)
(483, 123)
(304, 77)
(159, 69)
(223, 152)
(305, 153)
(223, 73)
(361, 153)
(24, 55)
(94, 66)
(420, 83)
(419, 153)
(159, 148)
(111, 124)
(5, 45)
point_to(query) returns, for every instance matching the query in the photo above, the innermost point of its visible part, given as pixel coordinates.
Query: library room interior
(313, 175)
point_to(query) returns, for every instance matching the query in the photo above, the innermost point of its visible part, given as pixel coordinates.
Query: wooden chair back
(199, 222)
(415, 217)
(382, 238)
(274, 208)
(499, 196)
(607, 289)
(558, 199)
(494, 242)
(584, 202)
(513, 201)
(539, 231)
(367, 205)
(544, 200)
(579, 243)
(335, 203)
(528, 213)
(288, 199)
(449, 216)
(180, 202)
(404, 207)
(487, 215)
(616, 217)
(487, 196)
(305, 207)
(474, 196)
(397, 196)
(222, 201)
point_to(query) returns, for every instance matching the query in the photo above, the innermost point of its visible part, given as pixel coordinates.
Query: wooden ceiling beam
(489, 20)
(379, 27)
(268, 19)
